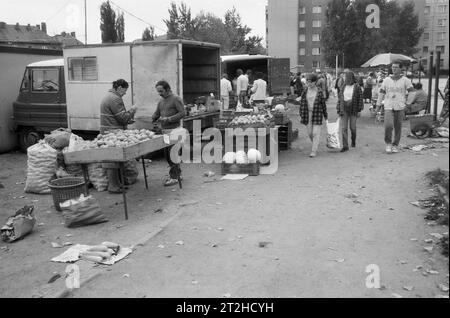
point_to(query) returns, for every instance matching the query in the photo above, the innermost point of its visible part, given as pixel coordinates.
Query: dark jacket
(113, 114)
(357, 101)
(319, 109)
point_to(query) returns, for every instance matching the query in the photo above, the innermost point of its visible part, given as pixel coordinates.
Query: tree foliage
(230, 33)
(112, 25)
(108, 23)
(148, 34)
(120, 28)
(346, 32)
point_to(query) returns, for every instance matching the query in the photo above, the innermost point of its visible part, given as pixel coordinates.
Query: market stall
(120, 150)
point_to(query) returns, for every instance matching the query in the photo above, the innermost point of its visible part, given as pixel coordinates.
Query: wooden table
(119, 156)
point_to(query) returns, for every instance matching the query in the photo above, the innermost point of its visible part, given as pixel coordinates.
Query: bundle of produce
(100, 253)
(41, 167)
(98, 176)
(122, 138)
(252, 120)
(240, 157)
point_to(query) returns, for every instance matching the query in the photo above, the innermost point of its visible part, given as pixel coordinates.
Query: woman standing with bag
(350, 104)
(312, 110)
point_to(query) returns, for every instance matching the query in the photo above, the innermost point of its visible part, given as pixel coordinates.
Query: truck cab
(41, 104)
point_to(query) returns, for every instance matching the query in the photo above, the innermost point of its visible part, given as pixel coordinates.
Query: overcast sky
(68, 15)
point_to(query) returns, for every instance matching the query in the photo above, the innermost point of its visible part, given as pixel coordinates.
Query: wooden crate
(285, 135)
(115, 154)
(252, 169)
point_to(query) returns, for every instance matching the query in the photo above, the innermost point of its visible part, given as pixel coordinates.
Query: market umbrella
(386, 59)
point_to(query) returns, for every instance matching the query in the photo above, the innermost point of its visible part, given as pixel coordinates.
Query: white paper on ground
(73, 254)
(234, 177)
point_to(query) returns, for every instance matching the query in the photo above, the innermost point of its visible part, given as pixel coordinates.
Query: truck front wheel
(27, 138)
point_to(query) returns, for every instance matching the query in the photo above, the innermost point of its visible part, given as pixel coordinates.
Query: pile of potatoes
(122, 138)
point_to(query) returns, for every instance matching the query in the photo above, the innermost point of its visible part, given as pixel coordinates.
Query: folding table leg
(145, 173)
(122, 187)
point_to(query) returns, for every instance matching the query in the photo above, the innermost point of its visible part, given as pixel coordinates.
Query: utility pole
(343, 60)
(85, 24)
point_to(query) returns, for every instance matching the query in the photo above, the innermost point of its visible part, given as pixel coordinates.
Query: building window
(425, 49)
(441, 22)
(45, 80)
(426, 11)
(427, 24)
(302, 51)
(441, 36)
(302, 38)
(441, 64)
(316, 51)
(317, 23)
(317, 9)
(82, 68)
(440, 49)
(301, 24)
(316, 64)
(316, 37)
(302, 10)
(426, 36)
(424, 63)
(442, 8)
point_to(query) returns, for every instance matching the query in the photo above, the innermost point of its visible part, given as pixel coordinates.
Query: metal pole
(430, 82)
(337, 63)
(343, 60)
(85, 24)
(436, 83)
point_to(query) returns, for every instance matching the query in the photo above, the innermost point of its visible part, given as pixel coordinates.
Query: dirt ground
(310, 230)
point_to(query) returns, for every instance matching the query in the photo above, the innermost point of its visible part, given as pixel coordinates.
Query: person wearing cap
(225, 90)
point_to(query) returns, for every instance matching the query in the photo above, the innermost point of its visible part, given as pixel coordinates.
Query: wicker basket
(65, 189)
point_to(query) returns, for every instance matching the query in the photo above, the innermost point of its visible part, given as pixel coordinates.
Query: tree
(120, 28)
(148, 34)
(231, 34)
(346, 31)
(108, 23)
(180, 24)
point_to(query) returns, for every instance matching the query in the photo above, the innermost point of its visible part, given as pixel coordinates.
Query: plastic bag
(82, 211)
(19, 225)
(333, 141)
(41, 167)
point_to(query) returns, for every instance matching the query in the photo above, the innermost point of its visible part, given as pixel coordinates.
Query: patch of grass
(439, 177)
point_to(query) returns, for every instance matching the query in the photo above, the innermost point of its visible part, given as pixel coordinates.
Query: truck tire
(27, 138)
(422, 131)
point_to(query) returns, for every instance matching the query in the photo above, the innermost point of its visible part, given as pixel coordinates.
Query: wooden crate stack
(285, 136)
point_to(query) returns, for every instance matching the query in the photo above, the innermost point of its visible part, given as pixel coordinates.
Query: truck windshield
(45, 80)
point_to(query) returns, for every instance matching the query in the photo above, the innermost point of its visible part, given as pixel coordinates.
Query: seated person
(417, 100)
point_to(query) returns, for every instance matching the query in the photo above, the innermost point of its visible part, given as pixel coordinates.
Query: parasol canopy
(387, 59)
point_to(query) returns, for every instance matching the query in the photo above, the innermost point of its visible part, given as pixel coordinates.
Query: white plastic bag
(333, 141)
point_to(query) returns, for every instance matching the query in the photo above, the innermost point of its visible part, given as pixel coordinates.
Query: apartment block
(294, 30)
(434, 18)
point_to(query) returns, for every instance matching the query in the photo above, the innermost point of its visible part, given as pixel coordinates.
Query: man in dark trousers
(169, 112)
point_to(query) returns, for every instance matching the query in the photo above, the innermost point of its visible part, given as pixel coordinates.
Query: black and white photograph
(224, 156)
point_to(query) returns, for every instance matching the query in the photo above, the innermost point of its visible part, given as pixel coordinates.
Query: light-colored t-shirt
(225, 87)
(259, 89)
(395, 92)
(242, 83)
(310, 97)
(348, 92)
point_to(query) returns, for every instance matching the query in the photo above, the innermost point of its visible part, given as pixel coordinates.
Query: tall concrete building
(294, 30)
(434, 18)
